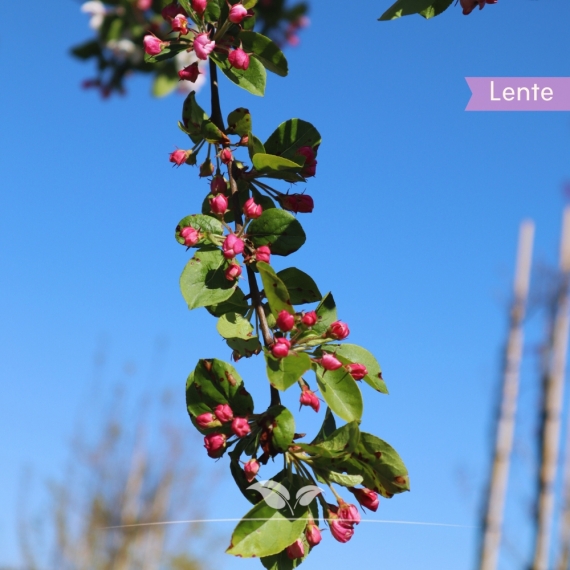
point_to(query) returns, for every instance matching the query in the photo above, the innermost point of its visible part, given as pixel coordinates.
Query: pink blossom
(219, 204)
(357, 371)
(296, 550)
(189, 73)
(309, 319)
(469, 5)
(338, 330)
(226, 156)
(232, 245)
(191, 236)
(199, 6)
(218, 185)
(144, 4)
(178, 157)
(285, 321)
(280, 348)
(366, 497)
(224, 413)
(348, 513)
(233, 272)
(203, 46)
(310, 166)
(180, 24)
(237, 14)
(240, 427)
(309, 398)
(250, 469)
(153, 45)
(330, 362)
(340, 530)
(215, 443)
(239, 59)
(313, 534)
(206, 420)
(263, 253)
(251, 209)
(298, 203)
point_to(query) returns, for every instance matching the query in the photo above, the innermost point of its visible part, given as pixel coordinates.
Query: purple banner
(519, 94)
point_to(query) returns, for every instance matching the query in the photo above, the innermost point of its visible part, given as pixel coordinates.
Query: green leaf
(244, 348)
(282, 561)
(235, 304)
(326, 311)
(87, 50)
(202, 223)
(352, 353)
(436, 8)
(283, 427)
(254, 145)
(165, 80)
(252, 79)
(215, 382)
(212, 134)
(256, 537)
(247, 4)
(341, 393)
(270, 164)
(167, 52)
(279, 230)
(408, 7)
(233, 325)
(344, 480)
(203, 281)
(192, 118)
(340, 443)
(212, 13)
(284, 372)
(239, 122)
(329, 425)
(275, 291)
(290, 136)
(302, 289)
(266, 51)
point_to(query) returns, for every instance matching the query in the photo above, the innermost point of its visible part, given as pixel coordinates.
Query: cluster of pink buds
(469, 5)
(342, 520)
(190, 235)
(309, 319)
(366, 498)
(224, 413)
(203, 45)
(285, 321)
(250, 469)
(310, 166)
(309, 398)
(297, 203)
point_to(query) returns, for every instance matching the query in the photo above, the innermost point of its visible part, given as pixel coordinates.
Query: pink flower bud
(469, 5)
(189, 73)
(215, 443)
(233, 272)
(199, 6)
(313, 534)
(232, 245)
(203, 46)
(239, 59)
(251, 469)
(310, 166)
(357, 371)
(179, 157)
(309, 319)
(280, 348)
(240, 427)
(237, 14)
(219, 204)
(309, 398)
(226, 156)
(296, 550)
(285, 321)
(224, 413)
(348, 513)
(340, 530)
(330, 362)
(180, 24)
(207, 420)
(251, 209)
(263, 253)
(190, 235)
(366, 497)
(144, 4)
(171, 11)
(153, 45)
(338, 330)
(206, 168)
(218, 185)
(298, 203)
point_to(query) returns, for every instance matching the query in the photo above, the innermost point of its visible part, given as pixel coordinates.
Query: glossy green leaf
(343, 479)
(248, 4)
(165, 80)
(302, 289)
(341, 393)
(283, 427)
(239, 122)
(203, 281)
(326, 311)
(234, 304)
(252, 79)
(212, 134)
(233, 325)
(270, 164)
(167, 52)
(284, 372)
(202, 223)
(407, 7)
(254, 145)
(275, 290)
(244, 348)
(340, 443)
(328, 427)
(436, 8)
(266, 51)
(352, 353)
(192, 118)
(215, 382)
(290, 136)
(212, 13)
(278, 229)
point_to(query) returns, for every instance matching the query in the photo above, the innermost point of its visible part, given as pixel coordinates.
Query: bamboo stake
(491, 532)
(555, 366)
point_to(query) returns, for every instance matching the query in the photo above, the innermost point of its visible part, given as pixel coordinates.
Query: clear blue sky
(417, 211)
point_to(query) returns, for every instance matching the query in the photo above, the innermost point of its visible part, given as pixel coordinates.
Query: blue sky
(414, 230)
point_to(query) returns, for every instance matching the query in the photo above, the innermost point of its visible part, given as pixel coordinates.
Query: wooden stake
(553, 385)
(491, 532)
